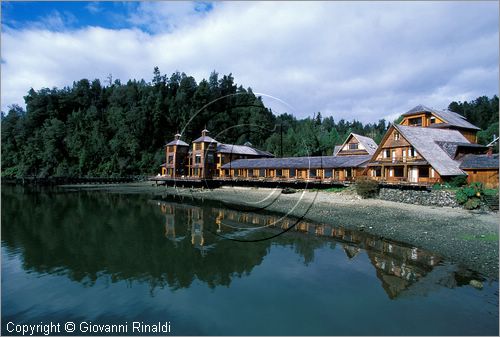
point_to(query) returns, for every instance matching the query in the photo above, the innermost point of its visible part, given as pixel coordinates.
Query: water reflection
(398, 266)
(173, 242)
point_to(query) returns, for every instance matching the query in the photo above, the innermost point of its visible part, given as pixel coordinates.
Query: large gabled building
(431, 146)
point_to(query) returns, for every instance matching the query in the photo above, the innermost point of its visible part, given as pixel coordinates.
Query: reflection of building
(169, 211)
(195, 219)
(397, 265)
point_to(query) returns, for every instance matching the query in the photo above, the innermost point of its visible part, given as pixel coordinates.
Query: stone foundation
(426, 198)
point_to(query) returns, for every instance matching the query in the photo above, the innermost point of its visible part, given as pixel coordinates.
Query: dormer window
(433, 120)
(353, 146)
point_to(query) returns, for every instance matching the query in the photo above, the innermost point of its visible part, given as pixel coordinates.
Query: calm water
(113, 259)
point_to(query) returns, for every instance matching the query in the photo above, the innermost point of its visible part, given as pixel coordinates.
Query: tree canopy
(91, 129)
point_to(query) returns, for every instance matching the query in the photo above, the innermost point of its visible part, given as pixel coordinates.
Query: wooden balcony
(402, 160)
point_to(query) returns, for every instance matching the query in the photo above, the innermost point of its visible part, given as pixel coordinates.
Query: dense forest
(91, 129)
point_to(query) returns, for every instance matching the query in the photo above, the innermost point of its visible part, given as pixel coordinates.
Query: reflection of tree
(86, 234)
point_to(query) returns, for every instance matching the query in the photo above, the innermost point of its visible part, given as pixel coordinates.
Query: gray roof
(424, 140)
(336, 149)
(451, 118)
(205, 139)
(479, 161)
(242, 150)
(177, 142)
(300, 162)
(418, 108)
(367, 142)
(451, 147)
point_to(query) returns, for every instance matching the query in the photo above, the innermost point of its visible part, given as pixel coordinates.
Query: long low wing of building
(324, 167)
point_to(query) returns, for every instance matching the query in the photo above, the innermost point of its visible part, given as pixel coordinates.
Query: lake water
(203, 268)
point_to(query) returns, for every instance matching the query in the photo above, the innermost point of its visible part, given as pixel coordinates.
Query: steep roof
(479, 161)
(242, 150)
(177, 142)
(451, 147)
(336, 149)
(205, 139)
(367, 142)
(454, 119)
(300, 162)
(424, 140)
(449, 117)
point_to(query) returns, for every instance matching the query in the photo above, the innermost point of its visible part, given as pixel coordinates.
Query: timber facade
(427, 147)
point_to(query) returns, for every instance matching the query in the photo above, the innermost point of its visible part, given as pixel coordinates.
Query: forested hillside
(91, 129)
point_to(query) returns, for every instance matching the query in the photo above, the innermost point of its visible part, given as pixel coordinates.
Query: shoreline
(466, 237)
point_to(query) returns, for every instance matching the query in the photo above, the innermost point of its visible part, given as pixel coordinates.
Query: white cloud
(358, 60)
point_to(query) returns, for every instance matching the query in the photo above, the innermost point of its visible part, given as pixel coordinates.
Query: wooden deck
(316, 183)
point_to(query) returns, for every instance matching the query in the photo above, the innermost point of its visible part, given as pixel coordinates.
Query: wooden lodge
(427, 147)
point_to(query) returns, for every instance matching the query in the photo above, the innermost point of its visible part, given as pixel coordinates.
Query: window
(396, 135)
(433, 120)
(197, 159)
(415, 121)
(291, 172)
(328, 173)
(386, 153)
(197, 146)
(262, 173)
(411, 152)
(353, 146)
(423, 172)
(279, 173)
(377, 172)
(171, 159)
(348, 173)
(432, 172)
(312, 173)
(398, 171)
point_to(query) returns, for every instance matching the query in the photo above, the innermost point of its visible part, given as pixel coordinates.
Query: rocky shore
(466, 237)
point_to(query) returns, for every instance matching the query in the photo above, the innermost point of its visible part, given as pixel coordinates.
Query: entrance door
(413, 174)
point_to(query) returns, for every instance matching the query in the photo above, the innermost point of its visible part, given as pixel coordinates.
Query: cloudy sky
(352, 60)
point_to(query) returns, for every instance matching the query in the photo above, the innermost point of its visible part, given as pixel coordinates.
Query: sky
(352, 60)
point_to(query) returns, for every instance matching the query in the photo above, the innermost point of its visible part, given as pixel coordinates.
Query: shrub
(366, 187)
(470, 196)
(472, 203)
(458, 181)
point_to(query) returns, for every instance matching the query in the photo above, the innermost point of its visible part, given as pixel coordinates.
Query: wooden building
(202, 156)
(227, 153)
(333, 168)
(419, 155)
(356, 145)
(176, 153)
(481, 168)
(422, 116)
(205, 158)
